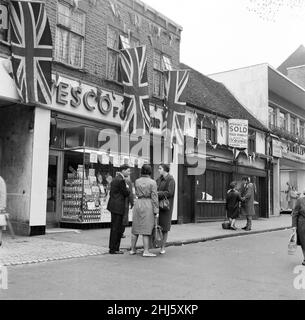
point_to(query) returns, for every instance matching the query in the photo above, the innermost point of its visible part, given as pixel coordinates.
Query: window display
(86, 187)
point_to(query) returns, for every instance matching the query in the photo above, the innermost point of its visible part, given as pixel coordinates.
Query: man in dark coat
(247, 205)
(119, 191)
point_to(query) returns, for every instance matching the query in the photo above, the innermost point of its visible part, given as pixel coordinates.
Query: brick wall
(98, 17)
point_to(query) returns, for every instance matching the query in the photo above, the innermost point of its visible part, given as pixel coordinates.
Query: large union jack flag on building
(133, 67)
(174, 109)
(31, 43)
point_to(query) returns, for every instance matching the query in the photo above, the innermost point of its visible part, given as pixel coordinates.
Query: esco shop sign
(238, 133)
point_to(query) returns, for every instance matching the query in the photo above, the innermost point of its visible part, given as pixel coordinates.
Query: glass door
(54, 195)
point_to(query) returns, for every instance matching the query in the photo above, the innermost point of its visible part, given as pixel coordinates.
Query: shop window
(70, 35)
(252, 141)
(161, 64)
(214, 185)
(117, 41)
(271, 117)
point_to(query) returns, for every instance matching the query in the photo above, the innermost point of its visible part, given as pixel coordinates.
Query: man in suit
(247, 205)
(119, 191)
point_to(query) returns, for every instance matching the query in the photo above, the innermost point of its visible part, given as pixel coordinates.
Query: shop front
(203, 197)
(292, 175)
(87, 147)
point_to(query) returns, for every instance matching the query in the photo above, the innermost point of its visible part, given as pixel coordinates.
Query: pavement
(60, 244)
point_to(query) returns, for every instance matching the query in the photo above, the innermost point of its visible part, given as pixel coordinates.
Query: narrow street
(251, 267)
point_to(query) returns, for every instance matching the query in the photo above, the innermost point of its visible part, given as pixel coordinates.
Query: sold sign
(238, 133)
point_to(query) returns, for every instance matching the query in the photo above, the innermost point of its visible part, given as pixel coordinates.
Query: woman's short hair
(233, 184)
(165, 167)
(146, 170)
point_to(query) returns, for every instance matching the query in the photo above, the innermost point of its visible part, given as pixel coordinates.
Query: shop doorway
(54, 196)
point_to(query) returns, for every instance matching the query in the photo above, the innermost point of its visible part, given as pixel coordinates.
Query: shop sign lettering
(3, 17)
(238, 133)
(84, 100)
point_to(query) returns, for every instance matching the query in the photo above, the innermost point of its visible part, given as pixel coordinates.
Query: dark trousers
(115, 232)
(249, 221)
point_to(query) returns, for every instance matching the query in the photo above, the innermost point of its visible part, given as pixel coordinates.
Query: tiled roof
(209, 95)
(297, 58)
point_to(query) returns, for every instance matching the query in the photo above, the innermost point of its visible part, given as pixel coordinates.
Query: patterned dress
(146, 205)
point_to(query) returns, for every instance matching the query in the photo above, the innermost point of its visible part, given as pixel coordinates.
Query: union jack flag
(31, 44)
(174, 109)
(133, 69)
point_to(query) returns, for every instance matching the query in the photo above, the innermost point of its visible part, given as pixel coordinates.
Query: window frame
(117, 50)
(285, 121)
(71, 33)
(160, 71)
(271, 115)
(251, 141)
(293, 122)
(302, 129)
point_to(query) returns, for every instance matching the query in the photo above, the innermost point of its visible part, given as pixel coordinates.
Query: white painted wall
(249, 85)
(40, 167)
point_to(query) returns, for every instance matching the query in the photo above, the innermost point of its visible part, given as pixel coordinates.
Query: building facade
(202, 196)
(278, 103)
(50, 154)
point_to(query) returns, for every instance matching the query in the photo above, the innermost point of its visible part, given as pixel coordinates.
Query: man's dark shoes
(116, 252)
(245, 228)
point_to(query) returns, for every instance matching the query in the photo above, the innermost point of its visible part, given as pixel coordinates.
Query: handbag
(157, 236)
(164, 204)
(226, 225)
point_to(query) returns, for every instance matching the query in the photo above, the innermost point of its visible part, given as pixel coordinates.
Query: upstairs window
(251, 141)
(302, 129)
(161, 63)
(70, 36)
(271, 117)
(116, 41)
(283, 121)
(293, 125)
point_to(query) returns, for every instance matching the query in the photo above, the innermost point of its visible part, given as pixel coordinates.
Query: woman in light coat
(145, 210)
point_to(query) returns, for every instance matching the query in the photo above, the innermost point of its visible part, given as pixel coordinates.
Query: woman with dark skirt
(298, 222)
(232, 204)
(166, 190)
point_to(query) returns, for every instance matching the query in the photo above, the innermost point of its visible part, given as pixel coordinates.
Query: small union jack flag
(31, 43)
(174, 109)
(135, 113)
